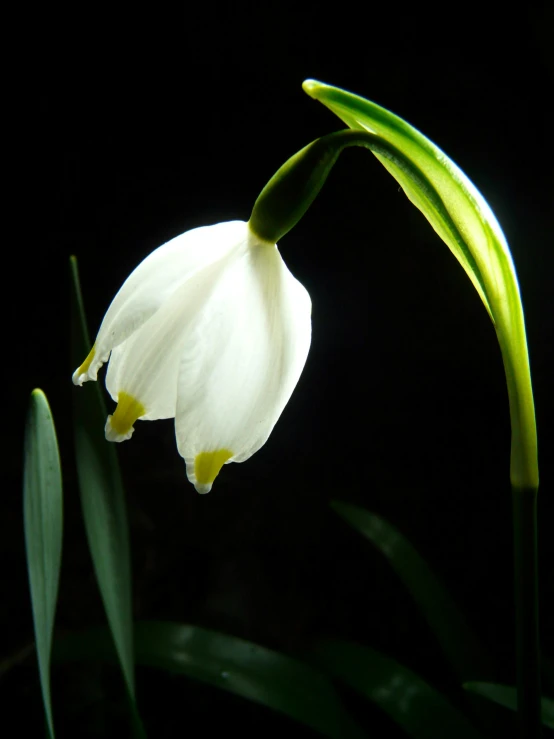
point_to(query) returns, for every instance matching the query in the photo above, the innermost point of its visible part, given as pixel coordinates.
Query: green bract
(464, 221)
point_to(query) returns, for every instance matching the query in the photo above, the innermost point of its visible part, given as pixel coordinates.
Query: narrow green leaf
(409, 701)
(43, 521)
(506, 695)
(102, 497)
(464, 221)
(445, 620)
(238, 666)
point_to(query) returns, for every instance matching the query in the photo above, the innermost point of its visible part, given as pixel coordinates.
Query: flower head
(210, 329)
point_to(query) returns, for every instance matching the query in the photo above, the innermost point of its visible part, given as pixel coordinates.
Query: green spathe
(476, 241)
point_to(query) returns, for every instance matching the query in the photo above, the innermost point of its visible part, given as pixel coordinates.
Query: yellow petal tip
(207, 466)
(81, 374)
(119, 427)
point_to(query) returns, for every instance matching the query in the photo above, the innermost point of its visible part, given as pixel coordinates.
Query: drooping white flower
(210, 329)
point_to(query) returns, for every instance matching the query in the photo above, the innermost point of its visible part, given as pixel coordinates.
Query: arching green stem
(291, 191)
(293, 188)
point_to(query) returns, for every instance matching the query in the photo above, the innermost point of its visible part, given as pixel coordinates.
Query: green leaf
(408, 700)
(464, 221)
(102, 498)
(235, 665)
(506, 695)
(43, 521)
(445, 620)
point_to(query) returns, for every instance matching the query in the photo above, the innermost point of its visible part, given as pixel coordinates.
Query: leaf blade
(43, 524)
(102, 497)
(241, 667)
(444, 618)
(408, 700)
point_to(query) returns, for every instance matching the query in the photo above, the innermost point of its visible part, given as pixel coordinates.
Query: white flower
(210, 329)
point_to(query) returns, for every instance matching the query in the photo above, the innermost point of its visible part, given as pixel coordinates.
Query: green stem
(527, 612)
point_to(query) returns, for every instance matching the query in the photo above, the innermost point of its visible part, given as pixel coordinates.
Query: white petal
(241, 363)
(153, 282)
(145, 366)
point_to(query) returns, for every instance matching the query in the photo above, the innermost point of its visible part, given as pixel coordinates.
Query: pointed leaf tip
(309, 86)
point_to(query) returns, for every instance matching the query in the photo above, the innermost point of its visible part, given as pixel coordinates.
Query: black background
(132, 128)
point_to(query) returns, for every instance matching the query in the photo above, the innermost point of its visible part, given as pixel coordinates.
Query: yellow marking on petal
(208, 464)
(83, 369)
(127, 411)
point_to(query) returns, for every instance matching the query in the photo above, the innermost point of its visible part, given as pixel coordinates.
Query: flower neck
(294, 187)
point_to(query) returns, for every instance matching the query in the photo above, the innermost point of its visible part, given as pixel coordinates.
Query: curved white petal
(153, 283)
(241, 362)
(145, 366)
